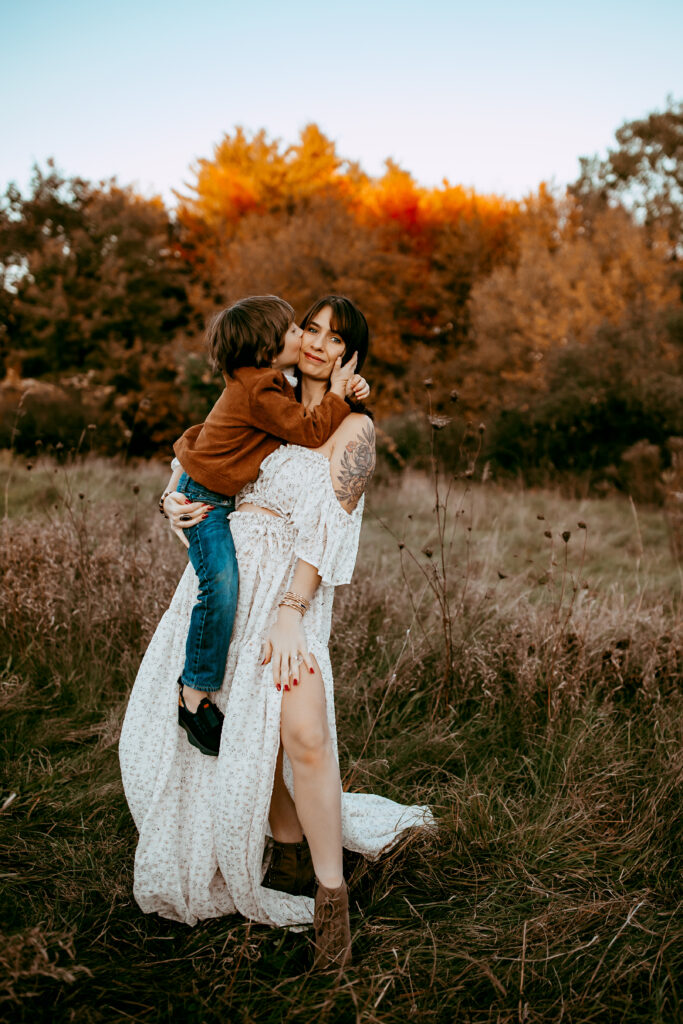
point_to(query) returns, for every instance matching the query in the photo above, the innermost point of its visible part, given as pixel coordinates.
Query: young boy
(251, 342)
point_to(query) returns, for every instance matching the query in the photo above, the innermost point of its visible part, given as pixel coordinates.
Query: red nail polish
(311, 670)
(278, 687)
(205, 516)
(187, 501)
(294, 681)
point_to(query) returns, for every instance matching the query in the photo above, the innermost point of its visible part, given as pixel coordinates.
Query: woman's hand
(182, 513)
(286, 647)
(358, 388)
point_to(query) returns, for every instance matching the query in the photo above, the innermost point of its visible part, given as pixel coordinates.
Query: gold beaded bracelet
(296, 601)
(297, 597)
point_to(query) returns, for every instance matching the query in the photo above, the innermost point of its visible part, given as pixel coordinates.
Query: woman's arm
(352, 463)
(286, 645)
(353, 459)
(173, 481)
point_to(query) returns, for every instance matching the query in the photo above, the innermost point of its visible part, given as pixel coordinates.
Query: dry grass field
(527, 686)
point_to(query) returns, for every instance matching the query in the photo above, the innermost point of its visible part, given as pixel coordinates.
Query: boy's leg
(212, 554)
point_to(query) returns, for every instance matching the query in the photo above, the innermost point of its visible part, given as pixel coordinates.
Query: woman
(203, 823)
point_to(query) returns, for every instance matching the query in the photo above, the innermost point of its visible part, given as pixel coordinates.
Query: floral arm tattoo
(356, 467)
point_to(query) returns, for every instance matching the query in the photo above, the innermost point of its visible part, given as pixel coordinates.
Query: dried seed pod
(565, 536)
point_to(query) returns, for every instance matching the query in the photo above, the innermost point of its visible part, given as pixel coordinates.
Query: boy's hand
(358, 388)
(341, 375)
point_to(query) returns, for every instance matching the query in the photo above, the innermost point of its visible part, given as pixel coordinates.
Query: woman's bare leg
(317, 785)
(284, 822)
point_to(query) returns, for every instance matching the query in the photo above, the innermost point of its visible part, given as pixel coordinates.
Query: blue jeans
(212, 554)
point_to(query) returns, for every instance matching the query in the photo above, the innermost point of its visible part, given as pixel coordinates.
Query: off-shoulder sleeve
(327, 535)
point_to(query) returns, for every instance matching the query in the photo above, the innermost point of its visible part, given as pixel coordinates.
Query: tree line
(558, 319)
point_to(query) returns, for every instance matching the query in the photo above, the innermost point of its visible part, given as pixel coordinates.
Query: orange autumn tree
(452, 237)
(569, 279)
(251, 175)
(300, 221)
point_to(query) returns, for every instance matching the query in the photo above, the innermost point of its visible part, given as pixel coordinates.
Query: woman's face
(320, 346)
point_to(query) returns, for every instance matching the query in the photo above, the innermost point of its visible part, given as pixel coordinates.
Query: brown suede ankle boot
(332, 928)
(290, 869)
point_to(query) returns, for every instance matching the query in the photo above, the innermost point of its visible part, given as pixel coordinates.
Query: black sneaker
(203, 727)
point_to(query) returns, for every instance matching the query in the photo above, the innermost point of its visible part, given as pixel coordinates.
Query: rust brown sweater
(255, 414)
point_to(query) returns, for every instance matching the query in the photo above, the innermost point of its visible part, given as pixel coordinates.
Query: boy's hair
(248, 333)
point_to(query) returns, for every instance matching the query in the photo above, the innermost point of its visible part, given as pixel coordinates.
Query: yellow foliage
(567, 281)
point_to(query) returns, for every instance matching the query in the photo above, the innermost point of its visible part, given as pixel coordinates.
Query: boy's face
(289, 356)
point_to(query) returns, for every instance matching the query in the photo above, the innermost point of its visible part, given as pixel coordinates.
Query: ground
(528, 687)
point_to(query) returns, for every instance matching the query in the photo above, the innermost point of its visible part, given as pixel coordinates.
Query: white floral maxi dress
(203, 821)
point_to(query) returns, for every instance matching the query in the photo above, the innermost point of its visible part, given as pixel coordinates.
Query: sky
(494, 95)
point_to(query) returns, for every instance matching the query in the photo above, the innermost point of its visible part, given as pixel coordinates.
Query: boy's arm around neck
(274, 409)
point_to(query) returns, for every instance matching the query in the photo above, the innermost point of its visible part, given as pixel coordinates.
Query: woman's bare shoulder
(356, 425)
